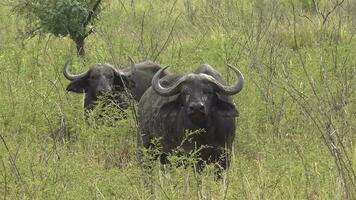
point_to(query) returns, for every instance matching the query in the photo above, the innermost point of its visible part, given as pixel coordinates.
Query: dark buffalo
(199, 101)
(105, 80)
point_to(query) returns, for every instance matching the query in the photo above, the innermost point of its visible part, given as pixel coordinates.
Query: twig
(325, 16)
(14, 167)
(166, 41)
(92, 13)
(5, 178)
(123, 6)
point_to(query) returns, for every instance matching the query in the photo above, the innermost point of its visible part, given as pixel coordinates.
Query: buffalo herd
(189, 112)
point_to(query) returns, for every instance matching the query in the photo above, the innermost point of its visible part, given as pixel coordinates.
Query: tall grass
(295, 136)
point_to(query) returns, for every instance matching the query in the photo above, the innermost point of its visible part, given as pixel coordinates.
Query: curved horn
(174, 89)
(165, 92)
(70, 76)
(233, 89)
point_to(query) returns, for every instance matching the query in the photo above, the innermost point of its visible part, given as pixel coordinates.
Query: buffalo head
(199, 93)
(99, 80)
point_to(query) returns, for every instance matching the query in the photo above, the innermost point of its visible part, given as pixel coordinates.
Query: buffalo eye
(184, 93)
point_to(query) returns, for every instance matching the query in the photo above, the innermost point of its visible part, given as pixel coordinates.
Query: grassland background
(295, 136)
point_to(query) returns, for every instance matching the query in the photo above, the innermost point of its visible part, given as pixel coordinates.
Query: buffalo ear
(78, 86)
(225, 108)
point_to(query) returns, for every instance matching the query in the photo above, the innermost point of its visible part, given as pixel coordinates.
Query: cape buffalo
(105, 80)
(199, 101)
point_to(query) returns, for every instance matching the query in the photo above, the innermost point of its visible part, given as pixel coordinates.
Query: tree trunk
(79, 42)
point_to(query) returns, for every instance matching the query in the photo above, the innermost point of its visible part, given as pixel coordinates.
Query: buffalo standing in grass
(105, 80)
(177, 104)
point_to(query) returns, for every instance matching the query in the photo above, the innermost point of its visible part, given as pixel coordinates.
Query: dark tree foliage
(72, 18)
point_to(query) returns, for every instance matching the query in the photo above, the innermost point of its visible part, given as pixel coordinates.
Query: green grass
(297, 109)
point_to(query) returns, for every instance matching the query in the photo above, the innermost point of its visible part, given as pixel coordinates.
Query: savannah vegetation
(295, 136)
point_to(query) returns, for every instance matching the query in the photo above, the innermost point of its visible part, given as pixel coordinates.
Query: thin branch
(13, 164)
(338, 4)
(92, 13)
(91, 30)
(123, 6)
(166, 42)
(5, 178)
(326, 15)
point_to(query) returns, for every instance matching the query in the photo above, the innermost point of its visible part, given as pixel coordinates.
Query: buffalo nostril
(191, 108)
(200, 106)
(196, 107)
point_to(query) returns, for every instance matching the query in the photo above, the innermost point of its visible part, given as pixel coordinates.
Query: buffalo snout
(196, 107)
(103, 91)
